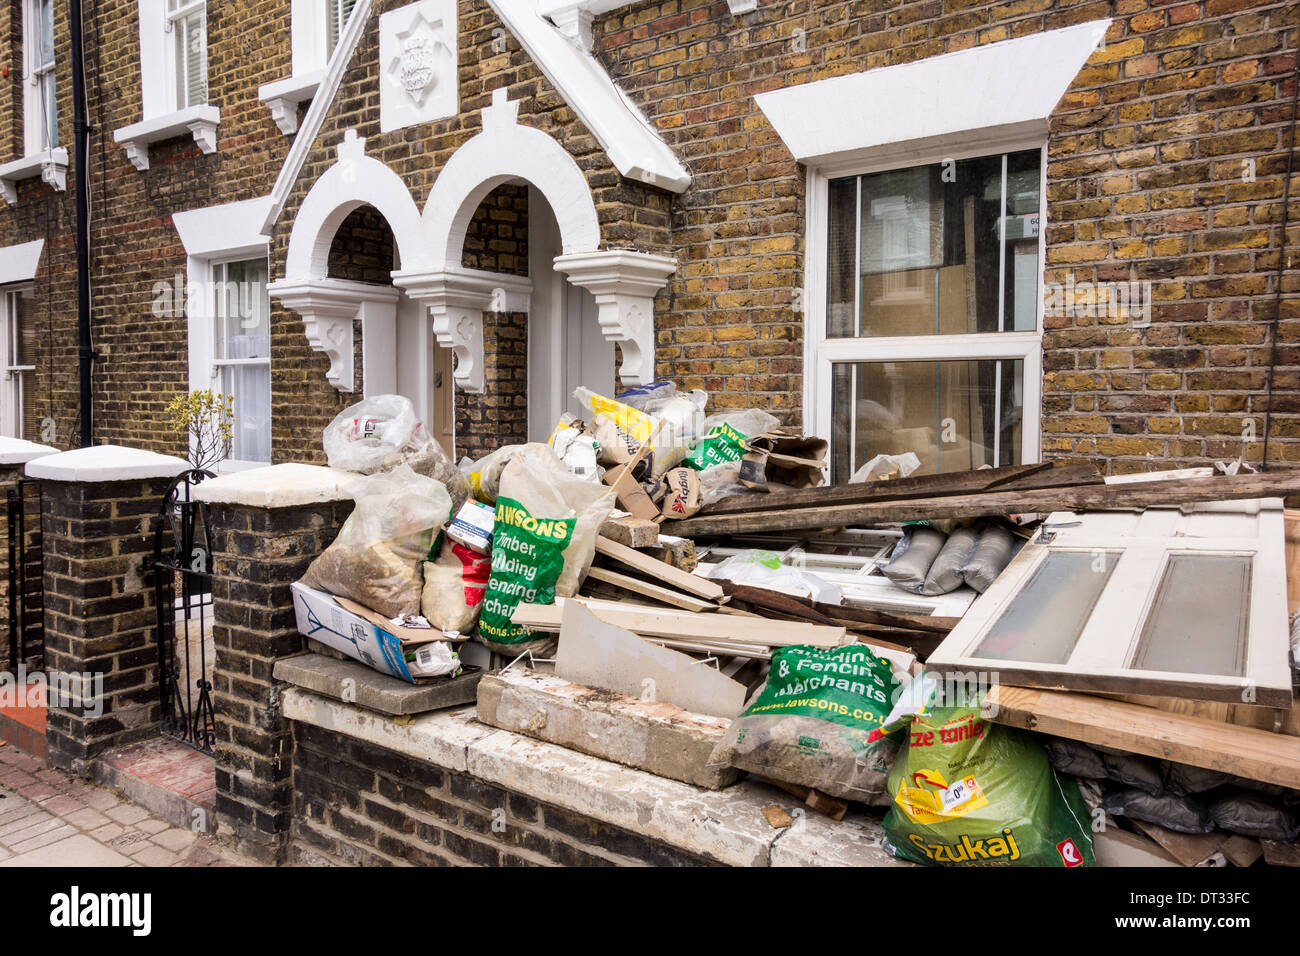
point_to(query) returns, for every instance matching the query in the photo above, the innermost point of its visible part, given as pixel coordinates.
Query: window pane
(1043, 622)
(336, 18)
(955, 415)
(250, 387)
(49, 111)
(243, 311)
(191, 60)
(47, 31)
(23, 325)
(929, 250)
(1198, 621)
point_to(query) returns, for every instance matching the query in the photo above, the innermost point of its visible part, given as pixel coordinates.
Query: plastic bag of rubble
(815, 723)
(763, 569)
(543, 542)
(381, 432)
(454, 586)
(724, 436)
(484, 475)
(721, 481)
(376, 558)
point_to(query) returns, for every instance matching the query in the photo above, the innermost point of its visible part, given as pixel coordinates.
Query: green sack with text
(543, 542)
(813, 721)
(968, 792)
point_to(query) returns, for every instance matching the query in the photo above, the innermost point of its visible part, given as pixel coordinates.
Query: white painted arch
(355, 180)
(508, 152)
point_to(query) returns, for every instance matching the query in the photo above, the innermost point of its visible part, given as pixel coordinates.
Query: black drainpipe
(81, 150)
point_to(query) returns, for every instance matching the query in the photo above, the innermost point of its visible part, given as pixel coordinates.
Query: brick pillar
(99, 508)
(267, 526)
(14, 456)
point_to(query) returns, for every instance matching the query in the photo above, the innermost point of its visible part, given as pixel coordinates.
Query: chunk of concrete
(354, 683)
(654, 736)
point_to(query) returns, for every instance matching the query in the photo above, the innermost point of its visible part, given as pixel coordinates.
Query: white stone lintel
(328, 308)
(624, 284)
(456, 299)
(277, 486)
(100, 463)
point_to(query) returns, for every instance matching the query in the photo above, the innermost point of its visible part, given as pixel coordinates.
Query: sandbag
(946, 573)
(812, 723)
(454, 587)
(376, 558)
(1075, 758)
(542, 544)
(1134, 770)
(967, 792)
(989, 558)
(1182, 779)
(1184, 814)
(1254, 815)
(910, 561)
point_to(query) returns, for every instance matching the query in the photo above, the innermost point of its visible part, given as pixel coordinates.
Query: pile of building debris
(890, 642)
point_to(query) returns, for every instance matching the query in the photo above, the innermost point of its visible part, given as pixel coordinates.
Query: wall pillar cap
(106, 463)
(289, 485)
(16, 451)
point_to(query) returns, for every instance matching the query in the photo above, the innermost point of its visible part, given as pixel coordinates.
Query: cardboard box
(356, 632)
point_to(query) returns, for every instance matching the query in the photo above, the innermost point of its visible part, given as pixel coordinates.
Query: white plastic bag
(376, 558)
(896, 466)
(763, 569)
(364, 435)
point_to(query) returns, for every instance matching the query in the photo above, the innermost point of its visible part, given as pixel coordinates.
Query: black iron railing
(183, 596)
(26, 576)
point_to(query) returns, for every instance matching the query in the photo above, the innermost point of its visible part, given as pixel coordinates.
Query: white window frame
(11, 376)
(821, 352)
(204, 274)
(35, 128)
(1101, 657)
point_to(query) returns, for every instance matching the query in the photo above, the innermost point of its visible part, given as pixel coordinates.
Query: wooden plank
(699, 628)
(964, 482)
(1079, 498)
(1244, 751)
(660, 570)
(646, 589)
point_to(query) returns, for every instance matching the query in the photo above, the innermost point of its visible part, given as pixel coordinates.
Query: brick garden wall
(1145, 180)
(359, 804)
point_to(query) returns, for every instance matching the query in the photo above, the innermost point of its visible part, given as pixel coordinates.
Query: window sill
(283, 96)
(200, 121)
(50, 165)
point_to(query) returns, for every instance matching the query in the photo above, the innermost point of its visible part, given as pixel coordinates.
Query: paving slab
(354, 682)
(76, 850)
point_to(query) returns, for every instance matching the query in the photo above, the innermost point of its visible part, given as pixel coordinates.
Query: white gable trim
(18, 263)
(998, 89)
(631, 144)
(315, 116)
(508, 152)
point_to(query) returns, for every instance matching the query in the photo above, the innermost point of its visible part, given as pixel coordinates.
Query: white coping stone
(16, 451)
(106, 463)
(278, 486)
(727, 825)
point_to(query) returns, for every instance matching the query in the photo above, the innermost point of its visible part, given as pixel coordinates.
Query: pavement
(51, 818)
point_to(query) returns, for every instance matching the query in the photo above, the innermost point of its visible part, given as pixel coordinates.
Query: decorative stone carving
(417, 63)
(624, 285)
(329, 307)
(456, 299)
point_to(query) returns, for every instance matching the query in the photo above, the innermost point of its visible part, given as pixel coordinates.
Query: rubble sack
(812, 723)
(376, 558)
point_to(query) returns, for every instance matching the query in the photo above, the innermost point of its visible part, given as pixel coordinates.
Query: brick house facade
(1163, 158)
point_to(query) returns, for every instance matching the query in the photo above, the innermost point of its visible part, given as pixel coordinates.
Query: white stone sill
(30, 167)
(283, 96)
(201, 122)
(727, 825)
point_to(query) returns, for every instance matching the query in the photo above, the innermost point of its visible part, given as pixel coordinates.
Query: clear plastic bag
(364, 436)
(763, 569)
(376, 558)
(484, 475)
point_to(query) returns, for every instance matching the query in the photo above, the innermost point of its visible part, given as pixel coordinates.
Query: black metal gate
(183, 596)
(26, 576)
